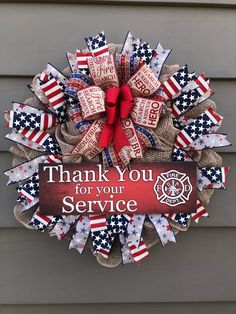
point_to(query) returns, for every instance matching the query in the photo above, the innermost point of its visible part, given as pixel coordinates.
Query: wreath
(95, 110)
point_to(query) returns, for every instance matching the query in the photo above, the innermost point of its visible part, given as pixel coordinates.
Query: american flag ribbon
(129, 44)
(54, 93)
(162, 228)
(211, 140)
(98, 45)
(159, 57)
(33, 121)
(174, 84)
(63, 227)
(180, 155)
(29, 190)
(138, 252)
(200, 212)
(180, 218)
(82, 61)
(189, 99)
(143, 52)
(198, 127)
(98, 222)
(41, 222)
(211, 177)
(80, 234)
(103, 239)
(43, 139)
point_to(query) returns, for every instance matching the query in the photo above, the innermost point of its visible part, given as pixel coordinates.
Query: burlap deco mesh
(68, 135)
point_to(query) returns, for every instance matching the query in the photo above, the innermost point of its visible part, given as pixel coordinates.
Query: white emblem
(173, 188)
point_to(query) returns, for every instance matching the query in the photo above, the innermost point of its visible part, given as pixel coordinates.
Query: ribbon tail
(106, 136)
(120, 141)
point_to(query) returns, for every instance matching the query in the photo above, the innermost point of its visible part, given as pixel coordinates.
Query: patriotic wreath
(74, 117)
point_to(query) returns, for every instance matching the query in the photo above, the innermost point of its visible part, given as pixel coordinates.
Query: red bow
(119, 103)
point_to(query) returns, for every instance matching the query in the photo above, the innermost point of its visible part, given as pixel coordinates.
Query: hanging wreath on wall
(96, 110)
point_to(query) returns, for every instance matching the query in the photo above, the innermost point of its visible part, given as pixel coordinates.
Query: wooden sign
(73, 189)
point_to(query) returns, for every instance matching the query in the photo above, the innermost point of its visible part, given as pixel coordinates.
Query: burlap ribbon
(68, 135)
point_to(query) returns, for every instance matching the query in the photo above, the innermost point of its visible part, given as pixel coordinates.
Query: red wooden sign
(73, 189)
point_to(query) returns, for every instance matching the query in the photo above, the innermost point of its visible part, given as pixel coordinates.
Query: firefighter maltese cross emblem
(173, 188)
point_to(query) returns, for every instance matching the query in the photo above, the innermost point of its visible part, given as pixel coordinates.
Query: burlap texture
(68, 135)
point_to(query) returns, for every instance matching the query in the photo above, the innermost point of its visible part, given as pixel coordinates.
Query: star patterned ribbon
(61, 229)
(162, 228)
(159, 57)
(129, 44)
(80, 234)
(42, 222)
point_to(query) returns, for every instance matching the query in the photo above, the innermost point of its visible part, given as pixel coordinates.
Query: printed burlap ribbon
(68, 135)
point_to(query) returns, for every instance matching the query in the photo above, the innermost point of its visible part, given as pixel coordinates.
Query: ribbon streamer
(211, 177)
(24, 170)
(134, 229)
(138, 253)
(212, 140)
(125, 251)
(200, 126)
(176, 83)
(71, 58)
(129, 44)
(41, 222)
(162, 228)
(61, 229)
(143, 52)
(80, 234)
(16, 137)
(159, 57)
(98, 45)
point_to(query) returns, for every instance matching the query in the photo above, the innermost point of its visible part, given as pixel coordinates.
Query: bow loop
(127, 102)
(112, 94)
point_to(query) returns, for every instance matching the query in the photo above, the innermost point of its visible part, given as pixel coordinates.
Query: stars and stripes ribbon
(162, 228)
(29, 190)
(180, 155)
(198, 127)
(41, 222)
(211, 140)
(43, 139)
(129, 44)
(82, 61)
(180, 218)
(103, 239)
(61, 228)
(138, 252)
(32, 121)
(191, 98)
(80, 234)
(159, 57)
(97, 222)
(143, 52)
(200, 212)
(211, 177)
(98, 45)
(176, 83)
